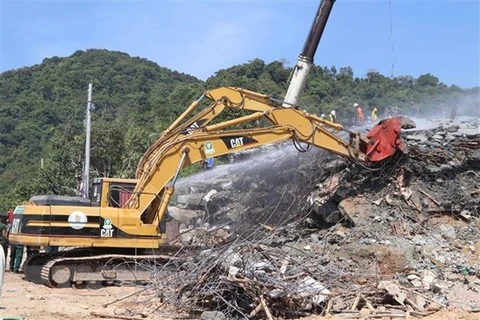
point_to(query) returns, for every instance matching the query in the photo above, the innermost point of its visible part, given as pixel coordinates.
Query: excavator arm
(220, 98)
(185, 142)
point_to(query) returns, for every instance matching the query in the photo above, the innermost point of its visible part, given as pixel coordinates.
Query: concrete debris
(428, 278)
(419, 138)
(190, 201)
(183, 215)
(402, 238)
(209, 195)
(406, 193)
(213, 315)
(394, 291)
(233, 271)
(447, 231)
(310, 288)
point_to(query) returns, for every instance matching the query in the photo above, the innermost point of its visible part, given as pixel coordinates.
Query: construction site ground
(37, 302)
(32, 301)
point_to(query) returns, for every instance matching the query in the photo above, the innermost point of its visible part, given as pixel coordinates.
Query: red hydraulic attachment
(385, 139)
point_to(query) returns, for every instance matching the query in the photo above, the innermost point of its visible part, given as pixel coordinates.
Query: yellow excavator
(126, 220)
(136, 229)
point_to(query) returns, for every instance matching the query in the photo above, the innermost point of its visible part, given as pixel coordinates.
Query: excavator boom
(184, 143)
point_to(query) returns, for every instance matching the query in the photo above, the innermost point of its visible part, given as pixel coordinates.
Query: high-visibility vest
(374, 114)
(332, 118)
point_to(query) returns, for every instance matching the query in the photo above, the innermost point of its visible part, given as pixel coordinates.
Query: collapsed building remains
(286, 234)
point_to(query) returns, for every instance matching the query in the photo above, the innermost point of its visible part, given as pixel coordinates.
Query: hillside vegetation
(42, 110)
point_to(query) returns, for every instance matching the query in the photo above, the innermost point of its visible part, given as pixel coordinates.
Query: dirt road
(38, 302)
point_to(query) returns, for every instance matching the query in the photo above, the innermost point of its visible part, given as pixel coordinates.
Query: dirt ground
(31, 301)
(37, 302)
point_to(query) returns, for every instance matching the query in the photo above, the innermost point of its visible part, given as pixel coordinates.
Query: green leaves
(427, 80)
(107, 147)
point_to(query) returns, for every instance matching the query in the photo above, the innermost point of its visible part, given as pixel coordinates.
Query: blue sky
(201, 37)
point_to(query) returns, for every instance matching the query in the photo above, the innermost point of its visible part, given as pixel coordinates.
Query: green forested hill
(42, 110)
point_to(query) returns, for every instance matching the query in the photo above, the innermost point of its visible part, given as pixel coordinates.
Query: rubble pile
(329, 236)
(269, 189)
(247, 279)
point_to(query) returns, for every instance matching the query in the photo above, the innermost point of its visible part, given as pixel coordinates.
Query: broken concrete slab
(417, 137)
(183, 215)
(394, 291)
(190, 201)
(470, 132)
(354, 209)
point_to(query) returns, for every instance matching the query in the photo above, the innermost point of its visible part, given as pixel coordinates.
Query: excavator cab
(107, 192)
(112, 192)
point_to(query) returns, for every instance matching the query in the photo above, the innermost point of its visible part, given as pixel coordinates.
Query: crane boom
(305, 59)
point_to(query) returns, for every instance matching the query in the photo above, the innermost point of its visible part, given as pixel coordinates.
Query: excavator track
(80, 267)
(33, 265)
(65, 271)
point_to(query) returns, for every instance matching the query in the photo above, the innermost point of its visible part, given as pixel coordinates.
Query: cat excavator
(136, 229)
(125, 225)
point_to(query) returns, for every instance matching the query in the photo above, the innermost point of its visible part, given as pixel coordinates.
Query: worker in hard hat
(333, 116)
(374, 114)
(323, 116)
(359, 115)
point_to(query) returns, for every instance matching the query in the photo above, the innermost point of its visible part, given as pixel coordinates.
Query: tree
(427, 80)
(107, 148)
(62, 166)
(137, 140)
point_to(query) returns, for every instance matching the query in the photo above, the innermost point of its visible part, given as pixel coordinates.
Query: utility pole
(86, 169)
